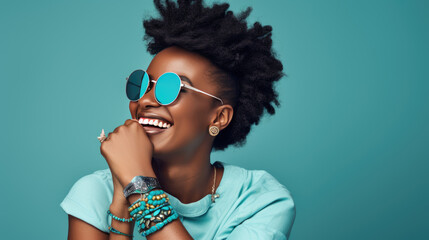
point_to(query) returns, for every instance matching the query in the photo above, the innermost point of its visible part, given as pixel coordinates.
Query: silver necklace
(213, 188)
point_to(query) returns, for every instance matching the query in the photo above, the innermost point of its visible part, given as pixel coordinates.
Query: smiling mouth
(153, 126)
(154, 122)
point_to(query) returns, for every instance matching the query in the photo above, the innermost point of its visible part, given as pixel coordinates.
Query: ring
(102, 136)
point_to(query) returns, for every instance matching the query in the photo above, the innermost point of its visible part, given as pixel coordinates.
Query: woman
(211, 79)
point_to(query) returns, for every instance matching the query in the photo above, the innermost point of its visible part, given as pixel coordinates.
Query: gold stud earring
(213, 130)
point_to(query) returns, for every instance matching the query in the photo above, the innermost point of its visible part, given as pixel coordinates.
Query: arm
(128, 152)
(173, 230)
(86, 191)
(80, 230)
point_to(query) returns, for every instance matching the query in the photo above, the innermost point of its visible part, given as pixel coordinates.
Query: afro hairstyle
(247, 67)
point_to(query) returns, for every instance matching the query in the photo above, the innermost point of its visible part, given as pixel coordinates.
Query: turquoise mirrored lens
(137, 84)
(145, 84)
(167, 88)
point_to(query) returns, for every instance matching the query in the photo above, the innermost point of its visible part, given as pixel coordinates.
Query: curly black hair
(247, 65)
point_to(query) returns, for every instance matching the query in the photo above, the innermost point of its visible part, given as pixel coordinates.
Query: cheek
(192, 122)
(133, 109)
(191, 125)
(188, 133)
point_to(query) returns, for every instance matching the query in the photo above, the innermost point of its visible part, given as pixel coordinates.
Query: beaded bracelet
(139, 214)
(152, 207)
(150, 199)
(148, 203)
(111, 229)
(163, 215)
(120, 219)
(160, 225)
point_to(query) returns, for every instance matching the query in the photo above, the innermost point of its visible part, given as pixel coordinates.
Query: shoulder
(261, 199)
(266, 192)
(97, 184)
(255, 182)
(90, 197)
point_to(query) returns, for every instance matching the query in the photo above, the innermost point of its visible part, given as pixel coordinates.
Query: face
(190, 115)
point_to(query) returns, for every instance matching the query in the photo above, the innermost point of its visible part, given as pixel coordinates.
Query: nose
(148, 99)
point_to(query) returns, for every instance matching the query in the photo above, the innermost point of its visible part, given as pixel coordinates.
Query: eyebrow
(184, 78)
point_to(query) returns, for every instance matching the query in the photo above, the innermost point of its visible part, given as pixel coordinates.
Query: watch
(141, 184)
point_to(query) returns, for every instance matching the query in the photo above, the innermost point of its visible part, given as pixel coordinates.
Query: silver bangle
(141, 184)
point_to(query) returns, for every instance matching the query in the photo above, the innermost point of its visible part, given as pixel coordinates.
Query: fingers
(109, 135)
(127, 122)
(130, 121)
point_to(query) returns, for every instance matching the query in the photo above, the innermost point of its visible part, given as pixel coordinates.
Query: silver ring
(102, 136)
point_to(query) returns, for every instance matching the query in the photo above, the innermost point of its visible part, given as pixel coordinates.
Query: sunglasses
(167, 87)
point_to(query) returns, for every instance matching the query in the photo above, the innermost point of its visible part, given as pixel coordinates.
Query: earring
(213, 130)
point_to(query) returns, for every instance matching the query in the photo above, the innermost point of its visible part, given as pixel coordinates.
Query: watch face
(144, 186)
(140, 184)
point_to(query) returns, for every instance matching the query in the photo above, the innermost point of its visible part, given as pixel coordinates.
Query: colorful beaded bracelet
(152, 207)
(138, 213)
(157, 216)
(111, 229)
(120, 219)
(160, 225)
(150, 199)
(142, 208)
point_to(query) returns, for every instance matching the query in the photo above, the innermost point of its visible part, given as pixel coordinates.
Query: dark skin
(179, 156)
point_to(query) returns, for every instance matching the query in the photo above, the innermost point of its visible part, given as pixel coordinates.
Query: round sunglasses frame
(154, 87)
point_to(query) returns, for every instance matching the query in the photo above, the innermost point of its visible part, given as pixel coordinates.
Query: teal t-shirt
(252, 205)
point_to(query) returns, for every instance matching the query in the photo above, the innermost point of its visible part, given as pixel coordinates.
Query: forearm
(120, 205)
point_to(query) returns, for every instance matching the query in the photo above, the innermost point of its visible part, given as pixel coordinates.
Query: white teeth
(154, 122)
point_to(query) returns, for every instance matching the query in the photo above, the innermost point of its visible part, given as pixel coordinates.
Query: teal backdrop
(350, 140)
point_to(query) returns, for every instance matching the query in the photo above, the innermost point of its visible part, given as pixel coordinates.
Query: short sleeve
(90, 198)
(272, 222)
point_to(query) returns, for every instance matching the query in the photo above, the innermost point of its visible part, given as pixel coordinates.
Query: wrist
(120, 209)
(133, 198)
(122, 227)
(147, 172)
(119, 200)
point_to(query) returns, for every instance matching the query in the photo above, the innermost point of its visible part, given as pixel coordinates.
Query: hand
(128, 152)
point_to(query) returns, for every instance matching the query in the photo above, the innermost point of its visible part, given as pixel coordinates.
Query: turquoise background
(350, 140)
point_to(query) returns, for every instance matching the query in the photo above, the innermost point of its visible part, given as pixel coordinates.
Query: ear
(222, 116)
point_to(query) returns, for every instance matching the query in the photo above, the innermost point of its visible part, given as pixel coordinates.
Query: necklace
(213, 188)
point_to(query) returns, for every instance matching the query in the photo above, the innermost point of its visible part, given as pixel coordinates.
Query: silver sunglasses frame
(181, 85)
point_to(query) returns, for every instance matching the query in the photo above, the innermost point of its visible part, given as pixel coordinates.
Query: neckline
(200, 207)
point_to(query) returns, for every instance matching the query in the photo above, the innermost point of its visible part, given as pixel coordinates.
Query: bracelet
(140, 213)
(141, 184)
(111, 229)
(149, 200)
(159, 225)
(152, 207)
(120, 219)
